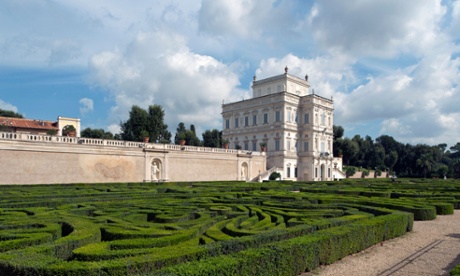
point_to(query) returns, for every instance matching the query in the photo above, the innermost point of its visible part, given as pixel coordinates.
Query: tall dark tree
(188, 135)
(337, 142)
(192, 128)
(456, 167)
(338, 131)
(180, 133)
(158, 130)
(390, 159)
(425, 162)
(141, 120)
(212, 138)
(350, 148)
(389, 143)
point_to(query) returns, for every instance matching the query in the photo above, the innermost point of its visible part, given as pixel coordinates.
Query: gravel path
(432, 248)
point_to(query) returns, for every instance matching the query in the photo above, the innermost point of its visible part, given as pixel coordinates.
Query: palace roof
(27, 123)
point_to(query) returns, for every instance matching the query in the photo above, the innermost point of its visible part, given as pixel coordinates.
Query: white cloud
(159, 68)
(376, 28)
(7, 106)
(114, 128)
(86, 105)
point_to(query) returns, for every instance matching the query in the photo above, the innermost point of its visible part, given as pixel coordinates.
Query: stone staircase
(265, 175)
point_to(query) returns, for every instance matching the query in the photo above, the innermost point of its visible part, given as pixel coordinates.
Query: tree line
(149, 123)
(406, 160)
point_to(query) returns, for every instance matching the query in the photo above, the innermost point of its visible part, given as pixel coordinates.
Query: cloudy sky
(392, 66)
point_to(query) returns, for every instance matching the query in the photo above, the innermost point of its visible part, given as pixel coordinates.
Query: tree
(377, 156)
(157, 129)
(9, 113)
(349, 171)
(151, 120)
(189, 134)
(338, 132)
(180, 129)
(212, 138)
(391, 159)
(456, 167)
(455, 150)
(274, 176)
(441, 169)
(425, 163)
(337, 140)
(98, 133)
(350, 149)
(388, 143)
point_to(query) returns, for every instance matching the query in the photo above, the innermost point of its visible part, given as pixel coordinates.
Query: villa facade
(294, 123)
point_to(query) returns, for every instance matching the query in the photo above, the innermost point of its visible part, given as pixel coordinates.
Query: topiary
(274, 176)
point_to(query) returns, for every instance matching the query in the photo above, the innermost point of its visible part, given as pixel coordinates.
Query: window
(288, 145)
(306, 118)
(288, 172)
(323, 147)
(246, 121)
(265, 118)
(323, 118)
(277, 116)
(254, 145)
(328, 172)
(254, 120)
(305, 146)
(289, 116)
(246, 145)
(277, 144)
(236, 122)
(227, 123)
(316, 172)
(295, 172)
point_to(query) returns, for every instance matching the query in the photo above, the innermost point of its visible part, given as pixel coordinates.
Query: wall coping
(52, 139)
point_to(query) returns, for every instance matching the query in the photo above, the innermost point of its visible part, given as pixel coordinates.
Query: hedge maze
(207, 228)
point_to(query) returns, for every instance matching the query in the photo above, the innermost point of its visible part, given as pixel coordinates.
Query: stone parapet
(43, 159)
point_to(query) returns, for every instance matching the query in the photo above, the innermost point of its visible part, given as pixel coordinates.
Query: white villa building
(292, 122)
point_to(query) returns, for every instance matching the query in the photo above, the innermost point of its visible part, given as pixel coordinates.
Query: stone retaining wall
(39, 159)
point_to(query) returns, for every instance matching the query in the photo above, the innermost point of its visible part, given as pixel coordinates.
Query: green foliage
(51, 132)
(212, 138)
(338, 132)
(455, 271)
(349, 171)
(68, 129)
(207, 228)
(189, 135)
(404, 159)
(150, 120)
(274, 176)
(9, 113)
(96, 133)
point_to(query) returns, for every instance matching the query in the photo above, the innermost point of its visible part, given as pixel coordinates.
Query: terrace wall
(37, 159)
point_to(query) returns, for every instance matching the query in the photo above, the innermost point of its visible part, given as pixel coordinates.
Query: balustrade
(112, 143)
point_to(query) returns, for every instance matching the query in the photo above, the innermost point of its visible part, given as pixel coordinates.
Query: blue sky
(392, 67)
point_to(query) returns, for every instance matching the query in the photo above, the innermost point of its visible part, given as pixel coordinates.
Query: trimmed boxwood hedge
(206, 228)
